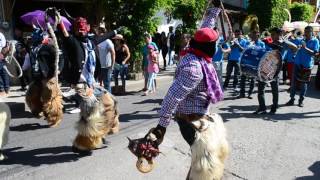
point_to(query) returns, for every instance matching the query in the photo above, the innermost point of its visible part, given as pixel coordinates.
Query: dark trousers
(284, 71)
(293, 87)
(4, 78)
(275, 94)
(243, 85)
(164, 52)
(232, 65)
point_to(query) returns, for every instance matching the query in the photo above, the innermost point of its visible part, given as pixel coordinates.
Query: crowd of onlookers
(114, 55)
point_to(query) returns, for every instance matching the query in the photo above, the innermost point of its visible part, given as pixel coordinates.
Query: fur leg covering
(5, 116)
(209, 151)
(98, 118)
(33, 98)
(51, 97)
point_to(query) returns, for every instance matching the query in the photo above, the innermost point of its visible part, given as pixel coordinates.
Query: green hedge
(269, 12)
(302, 12)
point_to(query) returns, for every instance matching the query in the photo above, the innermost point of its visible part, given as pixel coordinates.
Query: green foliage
(137, 16)
(301, 12)
(269, 12)
(189, 11)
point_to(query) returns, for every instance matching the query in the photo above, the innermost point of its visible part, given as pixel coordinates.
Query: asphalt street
(284, 146)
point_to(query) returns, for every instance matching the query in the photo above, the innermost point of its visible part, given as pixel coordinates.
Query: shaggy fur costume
(209, 149)
(98, 118)
(5, 116)
(45, 99)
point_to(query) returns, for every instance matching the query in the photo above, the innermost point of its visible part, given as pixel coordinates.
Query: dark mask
(209, 48)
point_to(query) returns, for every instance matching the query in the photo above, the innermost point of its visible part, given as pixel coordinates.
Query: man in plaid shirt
(196, 84)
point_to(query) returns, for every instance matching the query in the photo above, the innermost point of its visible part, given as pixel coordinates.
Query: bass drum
(260, 63)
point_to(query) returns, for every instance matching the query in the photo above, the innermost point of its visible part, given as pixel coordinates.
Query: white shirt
(2, 41)
(105, 48)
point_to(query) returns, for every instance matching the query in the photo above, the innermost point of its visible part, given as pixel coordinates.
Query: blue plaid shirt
(188, 93)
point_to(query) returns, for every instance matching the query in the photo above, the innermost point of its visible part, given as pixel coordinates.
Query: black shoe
(300, 104)
(81, 152)
(240, 96)
(250, 97)
(290, 103)
(259, 111)
(288, 90)
(273, 111)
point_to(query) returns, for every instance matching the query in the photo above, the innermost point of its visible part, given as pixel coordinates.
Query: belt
(191, 117)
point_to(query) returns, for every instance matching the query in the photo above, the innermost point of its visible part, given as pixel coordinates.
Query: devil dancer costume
(43, 96)
(99, 114)
(195, 87)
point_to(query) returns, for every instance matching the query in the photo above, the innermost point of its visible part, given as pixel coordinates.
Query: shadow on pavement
(131, 117)
(150, 101)
(37, 157)
(136, 116)
(128, 93)
(231, 112)
(315, 168)
(21, 114)
(28, 127)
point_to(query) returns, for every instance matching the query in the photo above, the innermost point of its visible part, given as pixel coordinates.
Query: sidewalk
(16, 98)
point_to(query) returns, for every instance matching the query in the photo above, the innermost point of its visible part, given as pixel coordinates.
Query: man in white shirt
(107, 60)
(4, 77)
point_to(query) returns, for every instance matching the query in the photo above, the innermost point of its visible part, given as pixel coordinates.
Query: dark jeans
(243, 85)
(164, 52)
(284, 71)
(4, 78)
(304, 85)
(275, 94)
(232, 65)
(187, 131)
(122, 71)
(106, 74)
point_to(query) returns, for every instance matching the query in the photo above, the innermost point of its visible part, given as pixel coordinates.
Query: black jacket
(75, 53)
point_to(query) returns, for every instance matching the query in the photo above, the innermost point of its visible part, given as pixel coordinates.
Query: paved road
(279, 147)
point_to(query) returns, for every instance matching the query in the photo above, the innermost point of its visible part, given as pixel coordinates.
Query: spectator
(157, 39)
(107, 60)
(121, 65)
(4, 77)
(185, 40)
(153, 69)
(170, 44)
(145, 53)
(164, 49)
(177, 44)
(21, 51)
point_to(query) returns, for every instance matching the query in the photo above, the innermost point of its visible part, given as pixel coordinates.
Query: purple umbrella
(37, 17)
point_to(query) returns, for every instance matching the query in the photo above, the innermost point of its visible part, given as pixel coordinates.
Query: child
(153, 69)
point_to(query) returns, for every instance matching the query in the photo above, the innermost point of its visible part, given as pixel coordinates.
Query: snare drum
(260, 63)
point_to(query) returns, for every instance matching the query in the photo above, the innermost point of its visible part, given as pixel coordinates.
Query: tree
(269, 12)
(136, 15)
(189, 11)
(301, 12)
